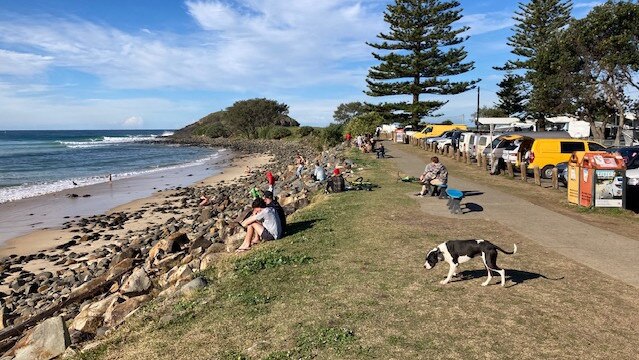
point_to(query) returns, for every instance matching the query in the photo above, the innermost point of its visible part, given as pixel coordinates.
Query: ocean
(34, 163)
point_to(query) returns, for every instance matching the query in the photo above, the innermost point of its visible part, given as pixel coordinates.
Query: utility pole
(477, 113)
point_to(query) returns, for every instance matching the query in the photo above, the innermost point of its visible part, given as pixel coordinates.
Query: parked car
(562, 173)
(483, 141)
(626, 152)
(446, 135)
(467, 142)
(632, 173)
(443, 143)
(546, 153)
(438, 129)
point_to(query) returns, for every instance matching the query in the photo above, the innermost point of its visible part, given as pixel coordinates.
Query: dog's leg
(492, 265)
(451, 271)
(490, 276)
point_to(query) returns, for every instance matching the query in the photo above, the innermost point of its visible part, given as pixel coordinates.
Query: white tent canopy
(498, 120)
(561, 119)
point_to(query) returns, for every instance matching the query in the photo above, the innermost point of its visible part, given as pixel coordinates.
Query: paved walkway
(602, 250)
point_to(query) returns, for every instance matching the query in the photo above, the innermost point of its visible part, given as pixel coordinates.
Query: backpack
(338, 184)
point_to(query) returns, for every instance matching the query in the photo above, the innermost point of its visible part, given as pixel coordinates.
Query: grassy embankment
(349, 283)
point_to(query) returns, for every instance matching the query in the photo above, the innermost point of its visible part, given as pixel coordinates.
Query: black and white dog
(455, 252)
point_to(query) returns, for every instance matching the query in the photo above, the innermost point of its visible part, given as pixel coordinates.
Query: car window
(593, 146)
(482, 141)
(570, 147)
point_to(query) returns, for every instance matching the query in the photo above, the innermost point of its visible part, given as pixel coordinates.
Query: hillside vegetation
(254, 118)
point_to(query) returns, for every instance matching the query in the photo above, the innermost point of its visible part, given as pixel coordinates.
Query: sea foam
(24, 191)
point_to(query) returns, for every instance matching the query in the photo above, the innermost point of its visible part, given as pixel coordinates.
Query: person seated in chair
(435, 174)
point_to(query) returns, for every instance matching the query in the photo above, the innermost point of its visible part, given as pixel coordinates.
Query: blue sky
(78, 64)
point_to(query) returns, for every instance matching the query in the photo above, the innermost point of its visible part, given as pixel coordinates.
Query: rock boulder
(46, 341)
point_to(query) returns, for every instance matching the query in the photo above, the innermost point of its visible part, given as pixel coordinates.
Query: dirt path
(602, 250)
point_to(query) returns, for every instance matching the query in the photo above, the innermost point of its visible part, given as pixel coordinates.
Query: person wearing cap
(263, 225)
(336, 182)
(272, 203)
(435, 174)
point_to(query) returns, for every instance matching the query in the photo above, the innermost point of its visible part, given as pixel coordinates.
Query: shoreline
(145, 248)
(53, 210)
(47, 238)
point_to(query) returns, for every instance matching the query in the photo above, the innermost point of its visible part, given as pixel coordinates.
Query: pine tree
(424, 52)
(511, 95)
(538, 22)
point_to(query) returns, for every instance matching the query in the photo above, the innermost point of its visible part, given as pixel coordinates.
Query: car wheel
(546, 171)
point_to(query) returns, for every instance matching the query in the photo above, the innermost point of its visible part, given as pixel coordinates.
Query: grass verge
(349, 284)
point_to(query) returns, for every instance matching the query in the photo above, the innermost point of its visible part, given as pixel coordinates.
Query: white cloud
(33, 108)
(264, 45)
(485, 23)
(133, 122)
(590, 4)
(274, 48)
(22, 64)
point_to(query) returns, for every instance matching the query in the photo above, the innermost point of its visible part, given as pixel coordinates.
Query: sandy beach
(48, 239)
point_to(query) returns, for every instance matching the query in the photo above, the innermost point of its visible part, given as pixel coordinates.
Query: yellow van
(547, 153)
(435, 130)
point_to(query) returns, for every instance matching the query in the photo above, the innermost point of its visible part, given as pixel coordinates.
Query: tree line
(584, 67)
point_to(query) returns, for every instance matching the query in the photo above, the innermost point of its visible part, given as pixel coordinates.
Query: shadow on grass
(513, 277)
(298, 226)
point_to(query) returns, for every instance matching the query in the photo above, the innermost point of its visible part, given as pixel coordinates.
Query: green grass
(349, 284)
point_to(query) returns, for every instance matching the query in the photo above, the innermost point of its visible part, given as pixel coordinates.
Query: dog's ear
(440, 255)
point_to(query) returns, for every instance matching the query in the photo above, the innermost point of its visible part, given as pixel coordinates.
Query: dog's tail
(507, 252)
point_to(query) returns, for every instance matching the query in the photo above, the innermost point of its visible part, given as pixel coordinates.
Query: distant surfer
(74, 183)
(110, 178)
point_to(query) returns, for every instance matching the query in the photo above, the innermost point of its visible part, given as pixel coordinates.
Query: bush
(273, 132)
(278, 132)
(306, 130)
(214, 130)
(332, 135)
(364, 124)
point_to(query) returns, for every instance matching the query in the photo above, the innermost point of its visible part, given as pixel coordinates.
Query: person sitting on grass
(336, 182)
(263, 225)
(435, 174)
(272, 203)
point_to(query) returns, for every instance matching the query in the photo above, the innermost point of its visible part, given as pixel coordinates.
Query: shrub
(278, 132)
(213, 130)
(364, 124)
(273, 132)
(306, 130)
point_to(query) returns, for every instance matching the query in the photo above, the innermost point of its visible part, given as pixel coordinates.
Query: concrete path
(602, 250)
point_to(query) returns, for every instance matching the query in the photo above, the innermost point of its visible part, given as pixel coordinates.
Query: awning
(497, 120)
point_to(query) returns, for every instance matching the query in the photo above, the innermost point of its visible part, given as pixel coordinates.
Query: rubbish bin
(573, 176)
(599, 178)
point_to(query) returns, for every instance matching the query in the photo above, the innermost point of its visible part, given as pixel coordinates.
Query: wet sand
(54, 209)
